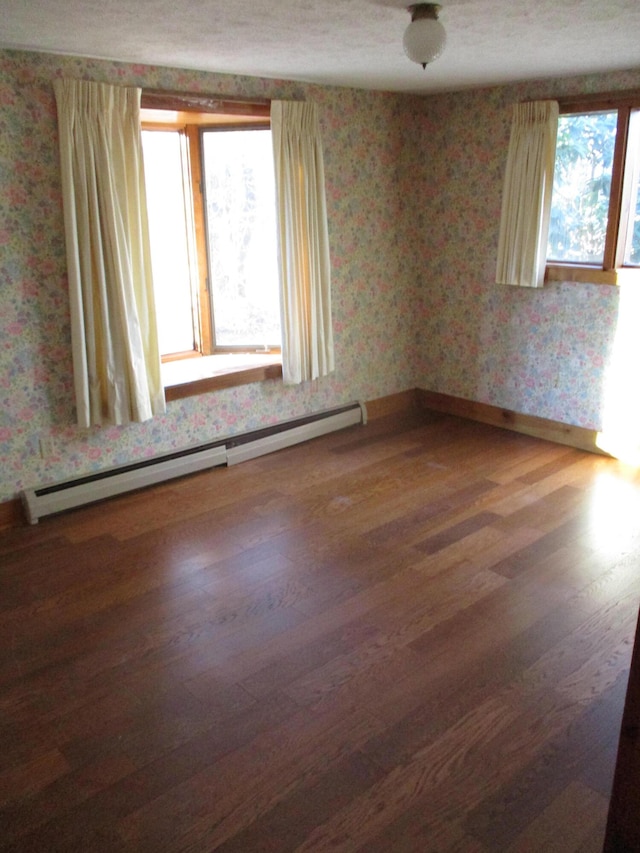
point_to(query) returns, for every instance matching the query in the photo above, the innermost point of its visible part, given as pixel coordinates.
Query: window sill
(192, 376)
(591, 275)
(583, 274)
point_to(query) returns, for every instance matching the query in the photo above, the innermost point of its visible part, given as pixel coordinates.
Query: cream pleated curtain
(526, 202)
(305, 269)
(116, 357)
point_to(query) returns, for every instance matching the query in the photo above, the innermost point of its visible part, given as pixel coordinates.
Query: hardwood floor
(410, 636)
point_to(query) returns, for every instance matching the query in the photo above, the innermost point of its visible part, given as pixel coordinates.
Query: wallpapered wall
(374, 278)
(543, 351)
(414, 192)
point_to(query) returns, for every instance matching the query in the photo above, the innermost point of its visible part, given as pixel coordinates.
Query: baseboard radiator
(57, 497)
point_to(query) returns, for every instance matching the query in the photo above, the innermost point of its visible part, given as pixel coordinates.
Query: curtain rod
(156, 99)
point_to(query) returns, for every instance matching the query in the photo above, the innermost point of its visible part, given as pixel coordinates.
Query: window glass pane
(581, 187)
(632, 241)
(241, 229)
(163, 166)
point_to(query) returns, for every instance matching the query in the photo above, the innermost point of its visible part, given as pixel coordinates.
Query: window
(582, 187)
(595, 212)
(240, 206)
(212, 219)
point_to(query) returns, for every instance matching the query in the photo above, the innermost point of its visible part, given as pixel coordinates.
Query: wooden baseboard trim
(393, 404)
(578, 437)
(11, 514)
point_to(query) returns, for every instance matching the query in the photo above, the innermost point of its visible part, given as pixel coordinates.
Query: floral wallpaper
(543, 352)
(374, 279)
(413, 191)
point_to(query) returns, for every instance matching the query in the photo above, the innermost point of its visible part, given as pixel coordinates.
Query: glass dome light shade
(424, 40)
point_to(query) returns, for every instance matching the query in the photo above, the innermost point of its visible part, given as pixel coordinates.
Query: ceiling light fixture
(425, 37)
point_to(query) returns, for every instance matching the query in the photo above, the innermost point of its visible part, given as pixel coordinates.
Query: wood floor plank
(501, 818)
(582, 812)
(222, 801)
(289, 822)
(52, 815)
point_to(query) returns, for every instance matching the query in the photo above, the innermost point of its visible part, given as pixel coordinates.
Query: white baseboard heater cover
(57, 497)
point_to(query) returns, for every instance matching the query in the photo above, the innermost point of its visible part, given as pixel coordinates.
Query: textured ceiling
(339, 42)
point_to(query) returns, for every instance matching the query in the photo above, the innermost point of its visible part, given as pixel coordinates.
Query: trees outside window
(582, 187)
(595, 210)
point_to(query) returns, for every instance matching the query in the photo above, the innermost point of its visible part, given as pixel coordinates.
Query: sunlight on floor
(620, 434)
(615, 513)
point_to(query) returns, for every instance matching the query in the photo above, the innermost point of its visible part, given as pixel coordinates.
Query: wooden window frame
(609, 272)
(191, 114)
(196, 134)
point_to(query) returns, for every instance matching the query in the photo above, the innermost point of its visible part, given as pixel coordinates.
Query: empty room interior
(319, 426)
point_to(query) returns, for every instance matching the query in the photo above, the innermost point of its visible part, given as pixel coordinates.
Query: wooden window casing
(188, 114)
(624, 104)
